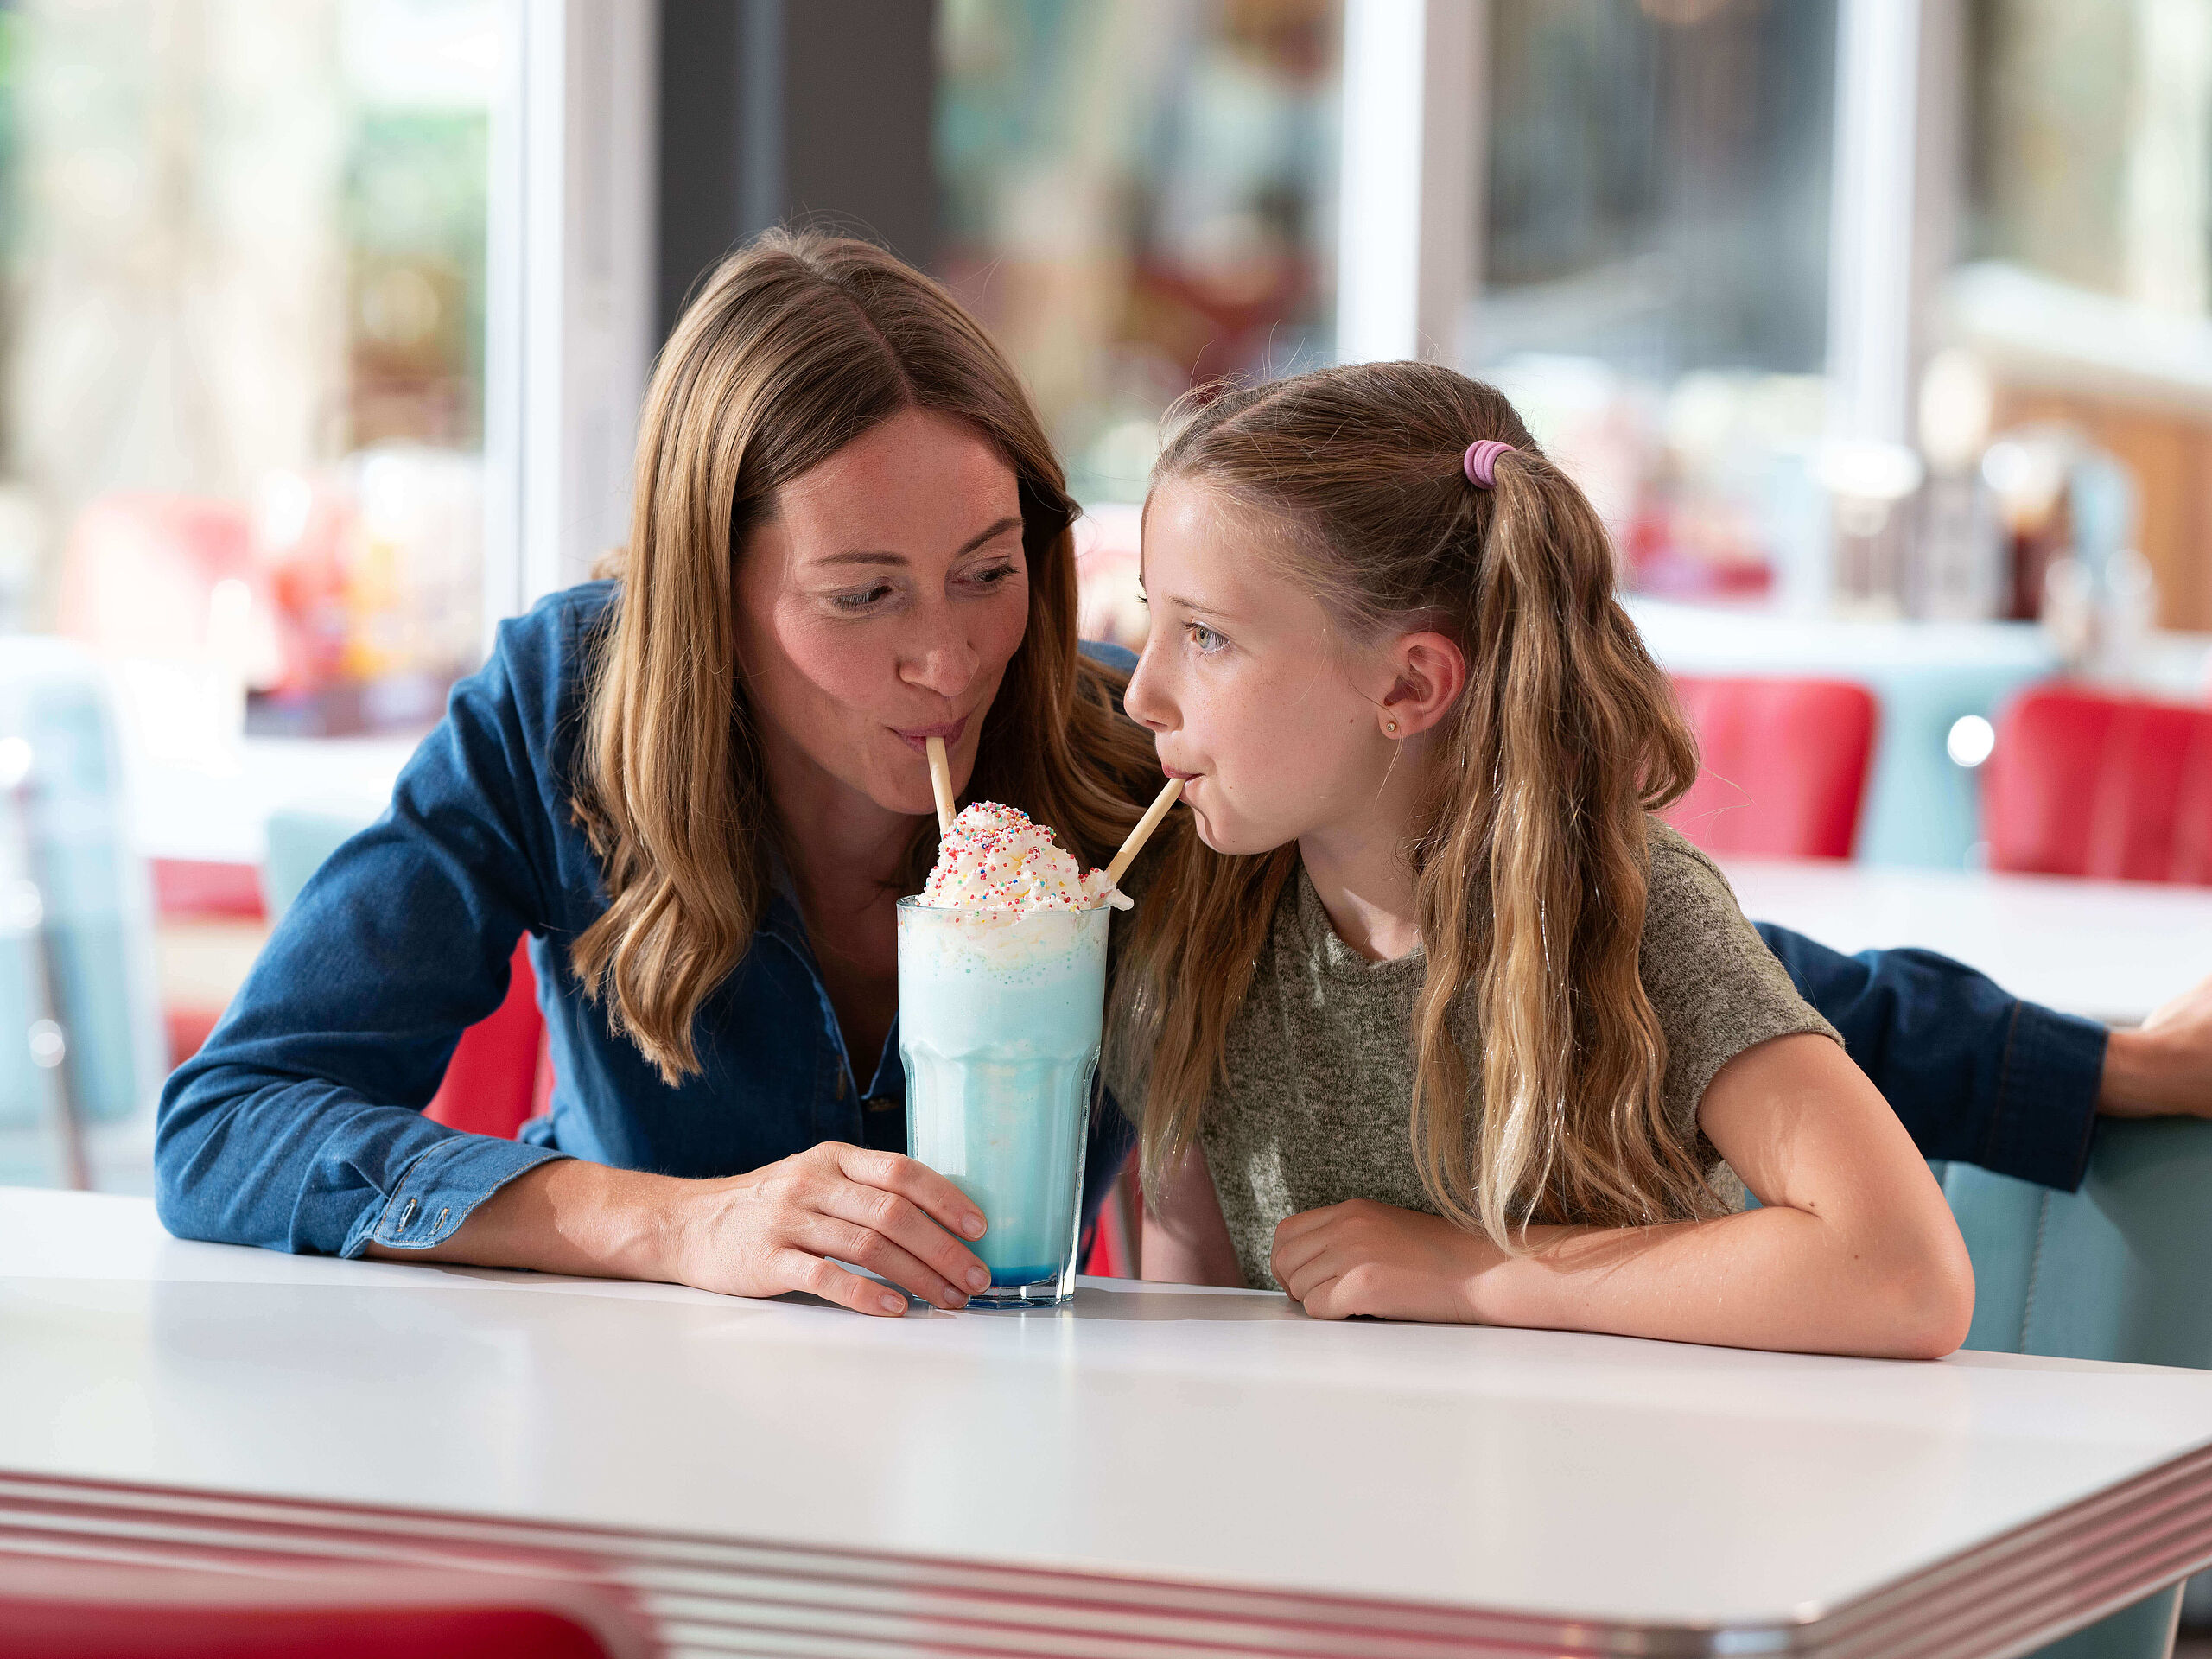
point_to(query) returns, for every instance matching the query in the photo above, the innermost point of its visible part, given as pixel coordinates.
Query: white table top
(1215, 1441)
(2113, 951)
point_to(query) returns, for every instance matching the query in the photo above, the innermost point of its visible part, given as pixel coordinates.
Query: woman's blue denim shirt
(299, 1125)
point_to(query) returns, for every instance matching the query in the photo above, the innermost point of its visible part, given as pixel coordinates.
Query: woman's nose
(944, 664)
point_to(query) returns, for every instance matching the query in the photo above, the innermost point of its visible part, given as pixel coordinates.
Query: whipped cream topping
(995, 858)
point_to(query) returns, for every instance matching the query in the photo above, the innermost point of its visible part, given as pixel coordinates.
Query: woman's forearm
(568, 1217)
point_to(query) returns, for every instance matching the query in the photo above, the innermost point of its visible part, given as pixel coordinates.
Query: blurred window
(1138, 196)
(242, 327)
(2091, 156)
(2085, 296)
(1658, 183)
(1654, 269)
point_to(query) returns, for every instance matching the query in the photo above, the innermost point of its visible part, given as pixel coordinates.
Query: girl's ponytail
(1532, 864)
(1533, 871)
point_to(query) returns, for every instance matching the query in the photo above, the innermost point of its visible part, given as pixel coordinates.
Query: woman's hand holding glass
(785, 1226)
(782, 1227)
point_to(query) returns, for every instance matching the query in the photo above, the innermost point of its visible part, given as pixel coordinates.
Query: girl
(1424, 1016)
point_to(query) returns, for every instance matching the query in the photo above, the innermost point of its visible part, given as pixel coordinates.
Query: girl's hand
(775, 1229)
(1365, 1257)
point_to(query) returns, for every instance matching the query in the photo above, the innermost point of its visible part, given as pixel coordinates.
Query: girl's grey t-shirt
(1317, 1109)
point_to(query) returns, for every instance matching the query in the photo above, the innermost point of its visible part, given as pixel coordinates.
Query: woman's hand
(776, 1228)
(2164, 1065)
(1365, 1257)
(760, 1234)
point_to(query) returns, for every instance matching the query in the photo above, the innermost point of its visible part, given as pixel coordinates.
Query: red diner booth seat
(60, 1608)
(1782, 765)
(2083, 783)
(502, 1072)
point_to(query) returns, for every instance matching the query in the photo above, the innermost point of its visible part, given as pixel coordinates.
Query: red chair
(2084, 783)
(499, 1076)
(1111, 1248)
(1782, 765)
(72, 1609)
(502, 1073)
(197, 893)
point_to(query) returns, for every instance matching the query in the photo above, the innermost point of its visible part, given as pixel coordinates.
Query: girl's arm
(1854, 1252)
(1186, 1242)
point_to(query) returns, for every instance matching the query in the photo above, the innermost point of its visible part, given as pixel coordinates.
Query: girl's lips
(917, 738)
(1186, 776)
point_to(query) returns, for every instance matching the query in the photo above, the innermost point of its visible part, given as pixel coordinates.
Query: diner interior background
(1881, 333)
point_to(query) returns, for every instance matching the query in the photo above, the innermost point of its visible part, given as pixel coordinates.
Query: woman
(701, 792)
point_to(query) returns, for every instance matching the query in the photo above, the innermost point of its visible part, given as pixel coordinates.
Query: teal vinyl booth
(2120, 1270)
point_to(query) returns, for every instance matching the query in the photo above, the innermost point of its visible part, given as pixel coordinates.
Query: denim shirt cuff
(2047, 1095)
(437, 1192)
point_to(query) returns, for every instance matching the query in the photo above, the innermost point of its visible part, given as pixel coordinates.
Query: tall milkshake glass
(998, 1019)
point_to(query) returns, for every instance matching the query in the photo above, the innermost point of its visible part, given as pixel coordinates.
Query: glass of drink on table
(1002, 995)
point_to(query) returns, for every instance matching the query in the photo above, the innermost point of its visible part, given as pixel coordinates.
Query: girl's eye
(1204, 637)
(994, 577)
(865, 600)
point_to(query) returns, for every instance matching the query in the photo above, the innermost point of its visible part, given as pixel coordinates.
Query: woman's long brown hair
(794, 347)
(1531, 859)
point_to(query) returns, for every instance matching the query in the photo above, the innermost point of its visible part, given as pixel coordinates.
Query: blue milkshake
(999, 1018)
(1000, 1000)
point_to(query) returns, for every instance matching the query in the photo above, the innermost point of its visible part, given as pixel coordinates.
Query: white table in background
(1151, 1470)
(2113, 951)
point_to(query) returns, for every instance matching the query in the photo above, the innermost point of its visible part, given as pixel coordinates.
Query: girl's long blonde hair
(1531, 858)
(794, 347)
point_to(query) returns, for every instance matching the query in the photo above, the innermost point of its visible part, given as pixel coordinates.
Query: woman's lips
(1175, 773)
(916, 737)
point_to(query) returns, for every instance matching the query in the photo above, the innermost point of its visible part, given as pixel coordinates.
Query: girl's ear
(1431, 671)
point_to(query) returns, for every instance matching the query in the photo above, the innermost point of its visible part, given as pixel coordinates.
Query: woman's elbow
(193, 1124)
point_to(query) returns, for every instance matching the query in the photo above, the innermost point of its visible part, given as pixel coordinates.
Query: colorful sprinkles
(995, 858)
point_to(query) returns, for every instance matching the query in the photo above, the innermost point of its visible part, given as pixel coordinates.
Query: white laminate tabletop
(1151, 1436)
(2113, 951)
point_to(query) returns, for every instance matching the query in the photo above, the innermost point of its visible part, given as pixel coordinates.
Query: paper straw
(941, 781)
(1142, 833)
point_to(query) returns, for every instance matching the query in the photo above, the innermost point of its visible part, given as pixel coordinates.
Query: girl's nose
(1143, 700)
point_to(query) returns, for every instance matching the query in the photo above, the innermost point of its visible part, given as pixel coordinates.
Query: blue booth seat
(2120, 1270)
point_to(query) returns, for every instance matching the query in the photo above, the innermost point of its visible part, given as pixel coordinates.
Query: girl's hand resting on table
(776, 1228)
(1367, 1257)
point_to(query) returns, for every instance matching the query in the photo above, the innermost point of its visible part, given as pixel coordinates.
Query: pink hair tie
(1480, 462)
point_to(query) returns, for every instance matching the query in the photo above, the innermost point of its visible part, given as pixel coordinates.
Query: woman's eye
(994, 577)
(1204, 637)
(864, 599)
